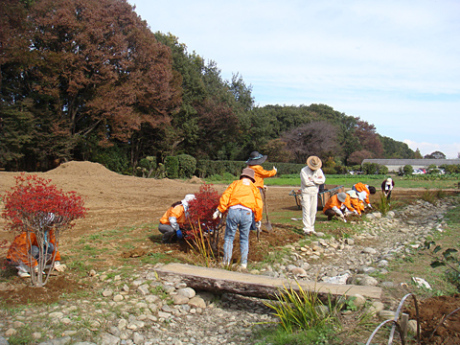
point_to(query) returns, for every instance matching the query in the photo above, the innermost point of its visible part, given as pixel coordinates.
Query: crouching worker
(174, 218)
(356, 203)
(241, 199)
(24, 253)
(364, 191)
(335, 206)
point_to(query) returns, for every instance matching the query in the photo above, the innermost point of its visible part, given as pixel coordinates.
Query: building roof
(426, 162)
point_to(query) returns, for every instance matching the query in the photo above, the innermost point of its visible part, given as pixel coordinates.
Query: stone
(179, 299)
(358, 300)
(109, 339)
(375, 308)
(298, 271)
(118, 298)
(143, 289)
(186, 292)
(107, 292)
(197, 302)
(10, 332)
(412, 327)
(386, 314)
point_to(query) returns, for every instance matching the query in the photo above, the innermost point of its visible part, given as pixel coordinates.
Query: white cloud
(450, 150)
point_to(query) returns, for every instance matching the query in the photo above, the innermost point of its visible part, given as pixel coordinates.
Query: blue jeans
(35, 252)
(237, 218)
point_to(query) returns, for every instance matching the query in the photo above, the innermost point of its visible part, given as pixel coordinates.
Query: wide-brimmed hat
(342, 197)
(249, 173)
(314, 163)
(352, 194)
(256, 158)
(389, 180)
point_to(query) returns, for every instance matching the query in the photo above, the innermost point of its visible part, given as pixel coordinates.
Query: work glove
(58, 267)
(173, 222)
(258, 224)
(265, 187)
(355, 212)
(275, 169)
(217, 214)
(179, 234)
(369, 205)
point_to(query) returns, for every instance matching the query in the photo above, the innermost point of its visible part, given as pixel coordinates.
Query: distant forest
(89, 80)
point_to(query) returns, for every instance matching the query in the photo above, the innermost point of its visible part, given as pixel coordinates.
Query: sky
(392, 63)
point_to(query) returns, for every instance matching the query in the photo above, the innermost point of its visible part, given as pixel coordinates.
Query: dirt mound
(82, 169)
(439, 320)
(195, 179)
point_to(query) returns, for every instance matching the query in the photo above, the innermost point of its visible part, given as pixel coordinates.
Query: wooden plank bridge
(220, 280)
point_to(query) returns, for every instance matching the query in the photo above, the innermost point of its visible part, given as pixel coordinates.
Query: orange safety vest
(178, 212)
(260, 173)
(361, 187)
(358, 205)
(20, 248)
(242, 192)
(333, 201)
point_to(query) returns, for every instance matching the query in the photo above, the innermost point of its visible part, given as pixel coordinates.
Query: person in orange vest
(24, 251)
(356, 203)
(254, 162)
(338, 205)
(174, 218)
(364, 191)
(242, 200)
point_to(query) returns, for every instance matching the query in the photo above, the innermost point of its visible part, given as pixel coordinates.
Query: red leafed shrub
(33, 198)
(201, 209)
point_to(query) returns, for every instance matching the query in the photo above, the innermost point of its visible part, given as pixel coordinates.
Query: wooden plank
(220, 280)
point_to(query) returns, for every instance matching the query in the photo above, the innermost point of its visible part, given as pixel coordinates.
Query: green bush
(146, 166)
(451, 168)
(383, 169)
(370, 168)
(187, 165)
(113, 158)
(172, 167)
(329, 171)
(408, 170)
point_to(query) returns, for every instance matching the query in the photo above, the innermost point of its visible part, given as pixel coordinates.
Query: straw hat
(314, 163)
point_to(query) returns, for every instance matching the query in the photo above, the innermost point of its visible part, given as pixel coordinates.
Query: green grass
(445, 182)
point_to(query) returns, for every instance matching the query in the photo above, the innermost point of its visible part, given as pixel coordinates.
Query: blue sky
(395, 64)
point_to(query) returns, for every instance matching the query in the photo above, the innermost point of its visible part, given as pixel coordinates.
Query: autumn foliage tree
(315, 138)
(91, 67)
(200, 222)
(41, 210)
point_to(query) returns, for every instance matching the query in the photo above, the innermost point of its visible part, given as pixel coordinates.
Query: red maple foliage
(33, 198)
(201, 209)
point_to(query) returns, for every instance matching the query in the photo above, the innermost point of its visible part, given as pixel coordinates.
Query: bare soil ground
(118, 202)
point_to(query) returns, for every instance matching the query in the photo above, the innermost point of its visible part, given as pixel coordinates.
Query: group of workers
(356, 200)
(242, 201)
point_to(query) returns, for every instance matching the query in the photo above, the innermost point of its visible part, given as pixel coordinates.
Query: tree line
(89, 80)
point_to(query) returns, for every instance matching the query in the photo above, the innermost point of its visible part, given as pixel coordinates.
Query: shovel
(268, 225)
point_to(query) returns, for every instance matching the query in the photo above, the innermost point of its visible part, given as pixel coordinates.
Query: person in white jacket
(311, 177)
